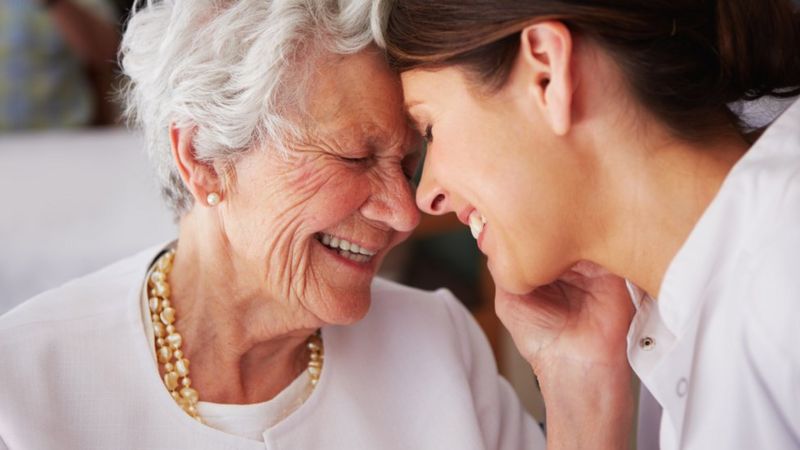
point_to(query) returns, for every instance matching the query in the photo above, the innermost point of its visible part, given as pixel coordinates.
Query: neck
(654, 193)
(243, 345)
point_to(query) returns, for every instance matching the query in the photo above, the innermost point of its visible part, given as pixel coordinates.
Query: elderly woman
(278, 134)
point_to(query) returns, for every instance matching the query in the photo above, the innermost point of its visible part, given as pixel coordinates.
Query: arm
(573, 334)
(588, 406)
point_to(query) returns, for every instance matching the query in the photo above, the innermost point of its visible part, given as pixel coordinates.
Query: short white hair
(230, 69)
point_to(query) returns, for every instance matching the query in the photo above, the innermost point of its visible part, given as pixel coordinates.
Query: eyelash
(411, 164)
(362, 160)
(428, 135)
(408, 172)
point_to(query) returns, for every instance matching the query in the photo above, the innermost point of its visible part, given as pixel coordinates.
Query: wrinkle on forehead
(361, 140)
(355, 101)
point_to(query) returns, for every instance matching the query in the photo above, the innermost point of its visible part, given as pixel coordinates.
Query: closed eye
(412, 165)
(428, 135)
(359, 160)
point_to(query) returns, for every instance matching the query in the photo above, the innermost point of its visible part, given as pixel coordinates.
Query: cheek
(308, 198)
(530, 206)
(275, 212)
(531, 240)
(472, 147)
(328, 195)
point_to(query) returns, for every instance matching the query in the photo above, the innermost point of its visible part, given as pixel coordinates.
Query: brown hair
(685, 60)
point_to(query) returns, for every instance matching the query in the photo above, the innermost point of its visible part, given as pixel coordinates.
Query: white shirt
(77, 372)
(720, 348)
(250, 420)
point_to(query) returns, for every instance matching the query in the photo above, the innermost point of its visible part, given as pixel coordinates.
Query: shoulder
(440, 308)
(771, 276)
(95, 294)
(51, 340)
(447, 345)
(435, 319)
(765, 183)
(770, 205)
(771, 309)
(392, 297)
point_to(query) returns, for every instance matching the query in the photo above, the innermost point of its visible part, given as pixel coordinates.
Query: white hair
(230, 70)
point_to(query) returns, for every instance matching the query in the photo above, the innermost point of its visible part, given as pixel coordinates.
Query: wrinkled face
(500, 171)
(313, 226)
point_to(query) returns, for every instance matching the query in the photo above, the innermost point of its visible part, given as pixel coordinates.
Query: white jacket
(719, 347)
(76, 372)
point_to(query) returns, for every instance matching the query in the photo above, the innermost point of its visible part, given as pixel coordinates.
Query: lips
(346, 248)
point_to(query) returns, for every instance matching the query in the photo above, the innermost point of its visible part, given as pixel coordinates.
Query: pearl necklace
(169, 341)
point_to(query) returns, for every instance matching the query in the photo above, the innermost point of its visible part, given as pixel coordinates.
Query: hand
(583, 317)
(573, 333)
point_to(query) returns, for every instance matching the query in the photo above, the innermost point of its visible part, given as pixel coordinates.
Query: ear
(546, 59)
(198, 176)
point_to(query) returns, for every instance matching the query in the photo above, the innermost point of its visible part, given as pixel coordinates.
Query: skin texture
(251, 280)
(566, 167)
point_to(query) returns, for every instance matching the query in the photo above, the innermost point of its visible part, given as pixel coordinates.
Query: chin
(345, 308)
(509, 280)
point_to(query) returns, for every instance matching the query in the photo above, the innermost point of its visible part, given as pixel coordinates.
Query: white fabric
(415, 373)
(648, 421)
(73, 202)
(249, 421)
(724, 360)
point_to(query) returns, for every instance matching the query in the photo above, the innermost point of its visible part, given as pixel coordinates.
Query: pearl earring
(213, 199)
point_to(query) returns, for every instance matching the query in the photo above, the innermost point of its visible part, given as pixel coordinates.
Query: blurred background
(79, 194)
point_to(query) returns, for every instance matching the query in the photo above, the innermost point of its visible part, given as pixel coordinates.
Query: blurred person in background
(57, 61)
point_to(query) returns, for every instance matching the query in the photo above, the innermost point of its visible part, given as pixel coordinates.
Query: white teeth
(346, 246)
(354, 257)
(476, 223)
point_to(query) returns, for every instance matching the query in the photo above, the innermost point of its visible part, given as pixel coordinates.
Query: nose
(392, 203)
(431, 197)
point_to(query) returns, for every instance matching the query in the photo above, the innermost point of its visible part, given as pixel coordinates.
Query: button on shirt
(720, 349)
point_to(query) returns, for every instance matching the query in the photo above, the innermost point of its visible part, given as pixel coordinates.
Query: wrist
(588, 405)
(561, 369)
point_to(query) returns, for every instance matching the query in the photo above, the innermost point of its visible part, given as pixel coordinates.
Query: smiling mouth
(345, 248)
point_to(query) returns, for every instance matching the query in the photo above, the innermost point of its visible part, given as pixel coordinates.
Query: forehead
(357, 95)
(423, 85)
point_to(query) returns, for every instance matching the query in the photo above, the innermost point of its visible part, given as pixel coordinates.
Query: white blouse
(77, 372)
(249, 421)
(720, 348)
